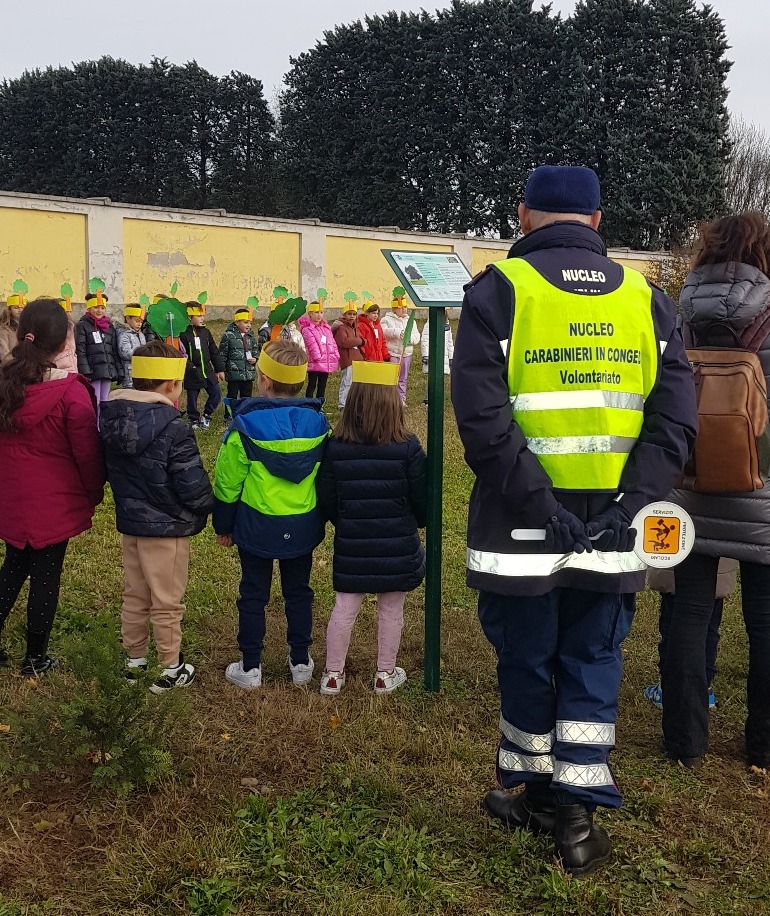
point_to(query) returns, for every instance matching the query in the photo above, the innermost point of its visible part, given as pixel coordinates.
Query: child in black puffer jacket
(372, 486)
(162, 497)
(96, 346)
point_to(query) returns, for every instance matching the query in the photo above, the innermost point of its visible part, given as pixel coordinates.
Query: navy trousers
(256, 579)
(213, 400)
(559, 666)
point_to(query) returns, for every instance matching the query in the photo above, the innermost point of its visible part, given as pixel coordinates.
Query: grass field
(286, 801)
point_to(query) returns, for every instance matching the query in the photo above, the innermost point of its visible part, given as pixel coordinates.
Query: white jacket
(394, 329)
(449, 346)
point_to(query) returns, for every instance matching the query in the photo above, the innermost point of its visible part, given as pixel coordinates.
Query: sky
(259, 36)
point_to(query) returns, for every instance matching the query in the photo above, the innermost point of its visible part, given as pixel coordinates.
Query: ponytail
(42, 330)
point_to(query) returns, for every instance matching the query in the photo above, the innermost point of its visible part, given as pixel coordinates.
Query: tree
(747, 179)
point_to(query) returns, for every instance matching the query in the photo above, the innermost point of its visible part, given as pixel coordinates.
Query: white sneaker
(248, 680)
(302, 674)
(387, 682)
(180, 676)
(332, 682)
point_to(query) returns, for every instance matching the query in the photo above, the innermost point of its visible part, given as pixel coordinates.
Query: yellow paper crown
(96, 299)
(280, 372)
(133, 311)
(401, 303)
(349, 306)
(243, 315)
(16, 301)
(163, 368)
(375, 373)
(66, 304)
(196, 311)
(369, 305)
(315, 307)
(157, 298)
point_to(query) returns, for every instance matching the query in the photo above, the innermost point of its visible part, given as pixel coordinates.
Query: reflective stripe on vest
(579, 370)
(520, 565)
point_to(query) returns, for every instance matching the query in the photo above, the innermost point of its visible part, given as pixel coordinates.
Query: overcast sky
(259, 36)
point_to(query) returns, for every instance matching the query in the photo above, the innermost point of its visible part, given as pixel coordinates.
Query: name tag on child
(97, 337)
(376, 333)
(248, 354)
(197, 343)
(323, 338)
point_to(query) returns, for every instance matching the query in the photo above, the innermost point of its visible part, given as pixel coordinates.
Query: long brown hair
(373, 415)
(42, 331)
(7, 318)
(743, 237)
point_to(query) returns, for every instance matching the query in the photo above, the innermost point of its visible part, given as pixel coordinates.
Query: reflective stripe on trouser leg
(523, 632)
(588, 671)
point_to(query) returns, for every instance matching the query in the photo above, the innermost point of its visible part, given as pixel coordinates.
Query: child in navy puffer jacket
(372, 485)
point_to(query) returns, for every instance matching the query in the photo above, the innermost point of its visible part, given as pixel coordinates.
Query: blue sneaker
(654, 693)
(712, 699)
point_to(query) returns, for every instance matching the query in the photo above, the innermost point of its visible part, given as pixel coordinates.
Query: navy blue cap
(563, 189)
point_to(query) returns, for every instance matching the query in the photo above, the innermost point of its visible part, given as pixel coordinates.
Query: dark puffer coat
(237, 367)
(98, 361)
(732, 295)
(376, 497)
(203, 362)
(160, 486)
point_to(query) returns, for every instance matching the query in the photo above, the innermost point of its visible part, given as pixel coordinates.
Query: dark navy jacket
(376, 497)
(160, 486)
(511, 489)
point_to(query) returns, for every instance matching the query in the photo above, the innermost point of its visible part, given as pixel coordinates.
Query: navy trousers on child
(256, 579)
(213, 400)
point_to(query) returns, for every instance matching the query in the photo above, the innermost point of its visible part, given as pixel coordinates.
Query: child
(68, 358)
(97, 348)
(374, 348)
(372, 486)
(394, 327)
(162, 497)
(205, 367)
(9, 323)
(289, 331)
(130, 338)
(265, 504)
(349, 343)
(238, 349)
(323, 357)
(53, 473)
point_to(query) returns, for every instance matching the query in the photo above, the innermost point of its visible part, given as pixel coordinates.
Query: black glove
(565, 533)
(611, 531)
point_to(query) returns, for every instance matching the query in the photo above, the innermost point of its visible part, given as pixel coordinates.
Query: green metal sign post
(434, 281)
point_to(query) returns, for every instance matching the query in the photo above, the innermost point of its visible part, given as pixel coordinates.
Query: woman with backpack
(725, 303)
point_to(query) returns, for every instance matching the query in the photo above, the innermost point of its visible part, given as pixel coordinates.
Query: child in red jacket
(53, 472)
(374, 348)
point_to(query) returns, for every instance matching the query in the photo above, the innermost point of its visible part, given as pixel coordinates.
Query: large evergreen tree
(158, 134)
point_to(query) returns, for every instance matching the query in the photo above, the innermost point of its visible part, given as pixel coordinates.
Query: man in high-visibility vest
(576, 406)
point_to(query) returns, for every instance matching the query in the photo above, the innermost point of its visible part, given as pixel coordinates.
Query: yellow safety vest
(579, 370)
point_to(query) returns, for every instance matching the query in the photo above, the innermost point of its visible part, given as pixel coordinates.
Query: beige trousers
(155, 580)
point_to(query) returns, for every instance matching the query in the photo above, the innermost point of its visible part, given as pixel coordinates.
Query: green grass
(286, 801)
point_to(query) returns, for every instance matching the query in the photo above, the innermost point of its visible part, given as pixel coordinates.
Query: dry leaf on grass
(225, 736)
(335, 722)
(4, 729)
(42, 825)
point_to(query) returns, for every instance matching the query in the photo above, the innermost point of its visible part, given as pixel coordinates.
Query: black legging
(43, 567)
(316, 382)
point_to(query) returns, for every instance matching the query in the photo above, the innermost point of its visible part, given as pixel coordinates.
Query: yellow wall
(484, 256)
(359, 264)
(230, 264)
(44, 248)
(648, 268)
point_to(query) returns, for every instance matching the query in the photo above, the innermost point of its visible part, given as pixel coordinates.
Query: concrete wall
(136, 249)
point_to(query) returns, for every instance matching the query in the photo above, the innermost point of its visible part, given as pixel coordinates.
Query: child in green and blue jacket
(265, 505)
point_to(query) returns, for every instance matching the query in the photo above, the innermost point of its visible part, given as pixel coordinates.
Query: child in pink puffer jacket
(322, 353)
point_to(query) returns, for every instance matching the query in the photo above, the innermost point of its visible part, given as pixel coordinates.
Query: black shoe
(181, 676)
(690, 763)
(582, 847)
(35, 667)
(534, 809)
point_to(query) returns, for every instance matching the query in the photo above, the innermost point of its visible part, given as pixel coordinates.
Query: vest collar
(559, 235)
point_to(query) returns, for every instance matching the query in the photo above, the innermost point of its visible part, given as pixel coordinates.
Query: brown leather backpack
(732, 448)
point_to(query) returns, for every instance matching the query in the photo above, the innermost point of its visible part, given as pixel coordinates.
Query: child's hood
(40, 399)
(287, 435)
(129, 421)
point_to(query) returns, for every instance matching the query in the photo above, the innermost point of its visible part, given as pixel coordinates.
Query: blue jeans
(256, 579)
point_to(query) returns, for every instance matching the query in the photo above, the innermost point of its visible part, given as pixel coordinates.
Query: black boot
(534, 809)
(582, 847)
